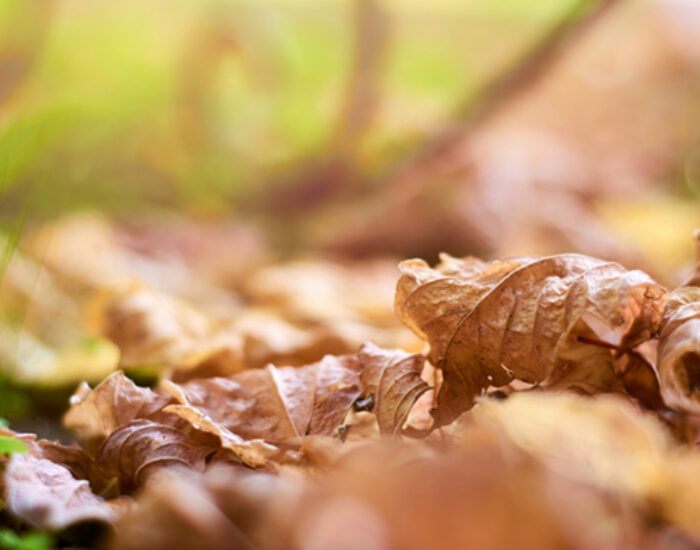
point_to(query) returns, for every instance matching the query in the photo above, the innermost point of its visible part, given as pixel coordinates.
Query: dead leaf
(137, 450)
(42, 491)
(157, 330)
(385, 496)
(392, 378)
(608, 443)
(638, 376)
(679, 351)
(491, 323)
(95, 414)
(177, 511)
(278, 405)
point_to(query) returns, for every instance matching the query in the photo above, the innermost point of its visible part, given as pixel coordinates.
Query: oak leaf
(491, 323)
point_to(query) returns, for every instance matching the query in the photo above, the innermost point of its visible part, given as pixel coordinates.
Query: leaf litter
(540, 403)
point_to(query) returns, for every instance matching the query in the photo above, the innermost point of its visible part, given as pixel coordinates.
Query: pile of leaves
(548, 402)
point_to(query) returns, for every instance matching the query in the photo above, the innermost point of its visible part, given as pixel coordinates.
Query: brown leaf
(393, 378)
(488, 324)
(638, 376)
(519, 474)
(608, 443)
(135, 451)
(384, 496)
(160, 331)
(157, 330)
(679, 351)
(177, 511)
(95, 414)
(278, 405)
(41, 487)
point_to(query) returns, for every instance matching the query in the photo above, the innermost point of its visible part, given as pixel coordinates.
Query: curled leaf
(43, 492)
(278, 405)
(393, 378)
(679, 351)
(95, 414)
(491, 323)
(138, 449)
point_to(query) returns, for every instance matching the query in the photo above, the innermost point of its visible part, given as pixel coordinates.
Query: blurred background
(362, 126)
(222, 136)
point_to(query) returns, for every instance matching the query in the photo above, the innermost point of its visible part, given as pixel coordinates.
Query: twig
(362, 95)
(428, 158)
(328, 173)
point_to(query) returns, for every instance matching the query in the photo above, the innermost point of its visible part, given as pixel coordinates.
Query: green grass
(102, 111)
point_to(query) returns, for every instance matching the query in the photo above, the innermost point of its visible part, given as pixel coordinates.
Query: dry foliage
(556, 407)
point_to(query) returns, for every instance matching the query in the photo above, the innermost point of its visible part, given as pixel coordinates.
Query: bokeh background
(362, 127)
(191, 144)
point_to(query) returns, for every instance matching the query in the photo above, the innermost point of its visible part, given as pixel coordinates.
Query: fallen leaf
(137, 450)
(606, 442)
(278, 405)
(159, 331)
(95, 414)
(679, 351)
(393, 380)
(384, 496)
(177, 511)
(156, 330)
(492, 323)
(43, 492)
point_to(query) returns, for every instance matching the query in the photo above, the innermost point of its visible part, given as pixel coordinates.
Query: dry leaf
(261, 415)
(492, 323)
(159, 331)
(386, 496)
(679, 344)
(393, 380)
(638, 376)
(177, 511)
(156, 330)
(137, 450)
(95, 414)
(608, 443)
(43, 491)
(679, 351)
(278, 405)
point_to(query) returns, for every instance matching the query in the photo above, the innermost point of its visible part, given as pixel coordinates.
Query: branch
(430, 155)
